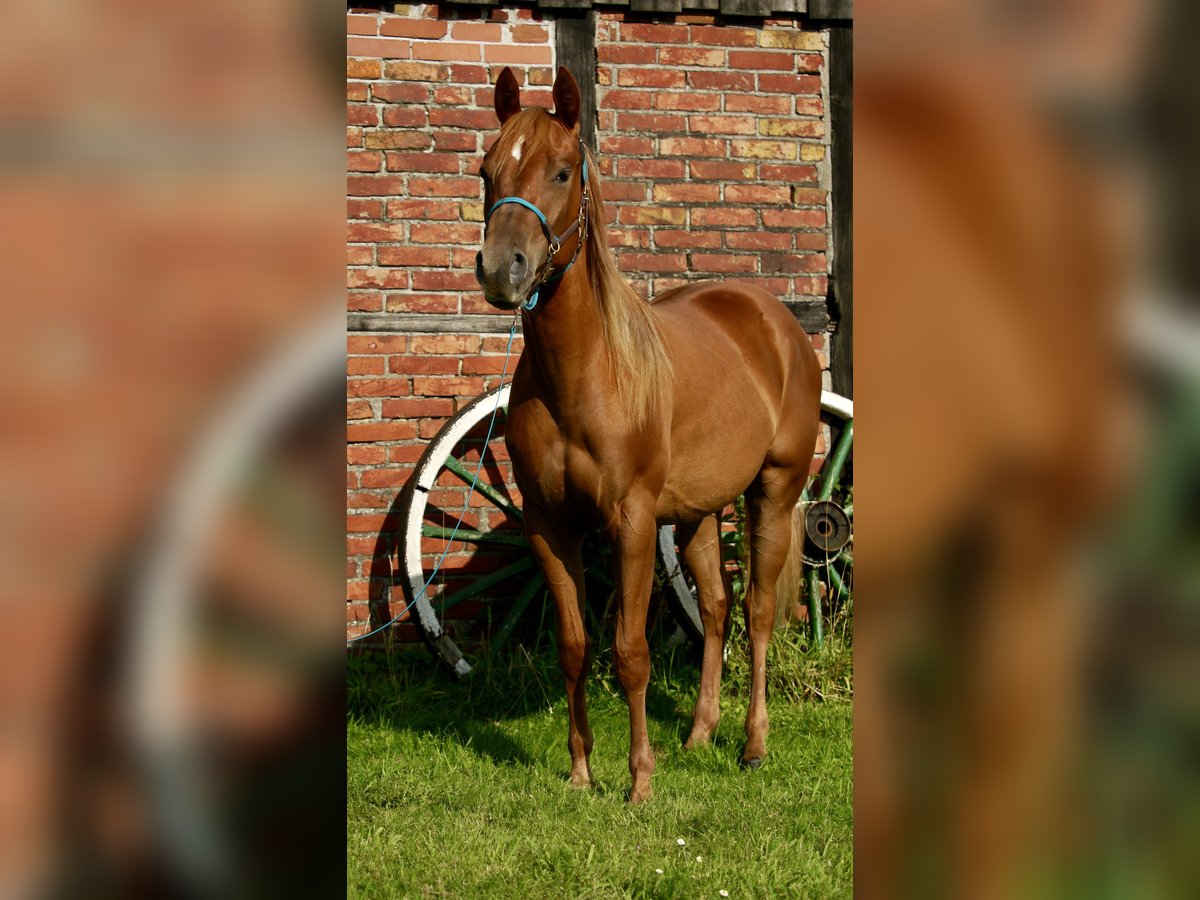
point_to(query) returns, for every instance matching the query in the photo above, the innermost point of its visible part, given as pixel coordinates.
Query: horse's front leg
(561, 561)
(634, 545)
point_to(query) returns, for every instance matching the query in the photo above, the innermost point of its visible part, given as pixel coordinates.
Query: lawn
(460, 789)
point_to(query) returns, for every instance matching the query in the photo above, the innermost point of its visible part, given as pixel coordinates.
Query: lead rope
(466, 503)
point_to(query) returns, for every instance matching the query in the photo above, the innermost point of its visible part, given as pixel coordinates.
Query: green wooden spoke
(477, 587)
(466, 475)
(501, 636)
(470, 536)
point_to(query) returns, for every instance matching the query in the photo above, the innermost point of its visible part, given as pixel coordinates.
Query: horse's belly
(704, 483)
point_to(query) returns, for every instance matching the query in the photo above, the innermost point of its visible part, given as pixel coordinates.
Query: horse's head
(537, 160)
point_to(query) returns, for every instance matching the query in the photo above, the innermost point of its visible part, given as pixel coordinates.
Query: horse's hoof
(752, 763)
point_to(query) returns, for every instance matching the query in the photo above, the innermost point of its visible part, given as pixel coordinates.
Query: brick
(396, 140)
(694, 147)
(378, 387)
(692, 101)
(658, 78)
(618, 99)
(422, 303)
(362, 301)
(812, 151)
(541, 75)
(376, 343)
(400, 92)
(664, 237)
(530, 34)
(394, 476)
(758, 240)
(359, 409)
(362, 25)
(627, 191)
(757, 103)
(721, 124)
(810, 240)
(638, 239)
(374, 185)
(404, 116)
(660, 124)
(456, 96)
(690, 56)
(416, 365)
(519, 54)
(643, 215)
(365, 456)
(810, 62)
(708, 170)
(423, 162)
(429, 257)
(468, 75)
(422, 209)
(653, 33)
(427, 29)
(808, 196)
(362, 115)
(763, 149)
(360, 161)
(358, 365)
(359, 254)
(416, 71)
(378, 48)
(810, 106)
(626, 146)
(357, 232)
(354, 137)
(724, 216)
(486, 365)
(788, 172)
(357, 91)
(376, 278)
(722, 262)
(811, 285)
(444, 343)
(758, 194)
(380, 431)
(812, 263)
(444, 281)
(363, 68)
(686, 193)
(445, 234)
(625, 55)
(650, 168)
(792, 127)
(472, 212)
(453, 140)
(475, 31)
(478, 119)
(753, 59)
(791, 39)
(790, 84)
(443, 187)
(721, 81)
(446, 51)
(652, 262)
(794, 218)
(725, 36)
(461, 386)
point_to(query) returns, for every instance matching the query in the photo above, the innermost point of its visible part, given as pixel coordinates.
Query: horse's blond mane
(640, 361)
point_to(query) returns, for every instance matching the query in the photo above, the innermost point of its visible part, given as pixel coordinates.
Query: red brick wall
(712, 142)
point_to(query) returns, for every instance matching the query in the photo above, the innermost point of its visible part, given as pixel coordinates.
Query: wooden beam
(575, 48)
(841, 282)
(405, 323)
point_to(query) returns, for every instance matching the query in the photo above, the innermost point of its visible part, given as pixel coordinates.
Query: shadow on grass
(404, 690)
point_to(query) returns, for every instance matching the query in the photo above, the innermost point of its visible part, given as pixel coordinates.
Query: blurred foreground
(1026, 548)
(170, 684)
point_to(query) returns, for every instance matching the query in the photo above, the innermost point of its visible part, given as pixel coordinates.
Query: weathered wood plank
(813, 315)
(406, 323)
(841, 282)
(831, 9)
(575, 48)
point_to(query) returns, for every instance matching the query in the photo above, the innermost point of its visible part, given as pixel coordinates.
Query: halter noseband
(555, 241)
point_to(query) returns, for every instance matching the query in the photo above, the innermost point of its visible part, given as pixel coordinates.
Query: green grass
(460, 789)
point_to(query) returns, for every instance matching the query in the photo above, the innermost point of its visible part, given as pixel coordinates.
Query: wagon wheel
(462, 552)
(827, 505)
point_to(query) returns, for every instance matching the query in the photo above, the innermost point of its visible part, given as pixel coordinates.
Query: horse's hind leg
(561, 562)
(770, 501)
(702, 552)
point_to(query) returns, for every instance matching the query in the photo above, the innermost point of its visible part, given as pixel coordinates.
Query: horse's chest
(552, 469)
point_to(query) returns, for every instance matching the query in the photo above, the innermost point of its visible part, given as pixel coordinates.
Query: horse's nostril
(516, 272)
(479, 267)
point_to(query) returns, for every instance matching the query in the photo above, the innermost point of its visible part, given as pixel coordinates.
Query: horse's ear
(566, 97)
(508, 96)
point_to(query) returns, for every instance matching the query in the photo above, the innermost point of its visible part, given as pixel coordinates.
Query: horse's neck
(566, 337)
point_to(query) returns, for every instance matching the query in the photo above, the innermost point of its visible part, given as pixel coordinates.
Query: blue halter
(555, 241)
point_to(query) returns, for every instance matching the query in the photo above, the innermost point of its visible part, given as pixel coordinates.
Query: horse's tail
(791, 576)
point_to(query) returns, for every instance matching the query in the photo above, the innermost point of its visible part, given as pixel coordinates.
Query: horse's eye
(562, 176)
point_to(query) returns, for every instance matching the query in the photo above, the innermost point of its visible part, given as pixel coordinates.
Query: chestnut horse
(625, 415)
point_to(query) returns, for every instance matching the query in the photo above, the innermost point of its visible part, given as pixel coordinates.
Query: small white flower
(699, 859)
(680, 841)
(659, 871)
(723, 892)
